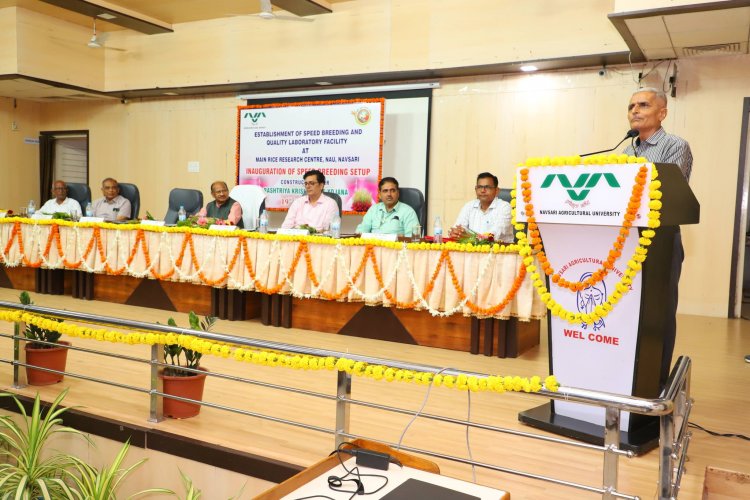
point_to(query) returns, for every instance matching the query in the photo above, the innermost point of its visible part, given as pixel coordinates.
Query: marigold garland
(187, 247)
(492, 383)
(534, 248)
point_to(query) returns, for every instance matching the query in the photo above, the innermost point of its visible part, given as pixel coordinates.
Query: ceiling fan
(97, 41)
(266, 13)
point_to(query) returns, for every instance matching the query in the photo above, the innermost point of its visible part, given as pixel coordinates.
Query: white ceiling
(687, 31)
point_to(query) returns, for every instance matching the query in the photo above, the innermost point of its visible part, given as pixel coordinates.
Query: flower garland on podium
(531, 246)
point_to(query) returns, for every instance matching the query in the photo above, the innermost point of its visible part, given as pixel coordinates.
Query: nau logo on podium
(584, 183)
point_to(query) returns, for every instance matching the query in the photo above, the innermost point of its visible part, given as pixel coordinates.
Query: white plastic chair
(249, 196)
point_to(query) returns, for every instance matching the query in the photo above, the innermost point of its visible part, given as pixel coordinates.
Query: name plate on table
(92, 219)
(380, 237)
(292, 231)
(3, 213)
(41, 216)
(221, 227)
(157, 223)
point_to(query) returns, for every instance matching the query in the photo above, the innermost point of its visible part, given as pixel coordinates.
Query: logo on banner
(362, 116)
(583, 185)
(590, 297)
(255, 116)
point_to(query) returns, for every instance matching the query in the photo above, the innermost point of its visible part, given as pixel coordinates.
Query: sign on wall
(277, 143)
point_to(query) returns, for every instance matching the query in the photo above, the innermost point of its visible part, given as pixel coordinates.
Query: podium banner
(583, 194)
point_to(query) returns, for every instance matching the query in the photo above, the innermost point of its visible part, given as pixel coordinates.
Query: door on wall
(63, 155)
(739, 283)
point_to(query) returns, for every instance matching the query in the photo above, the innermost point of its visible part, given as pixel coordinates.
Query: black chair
(79, 192)
(130, 191)
(504, 194)
(415, 199)
(335, 198)
(190, 199)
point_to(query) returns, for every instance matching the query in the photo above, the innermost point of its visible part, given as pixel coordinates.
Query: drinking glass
(416, 233)
(23, 211)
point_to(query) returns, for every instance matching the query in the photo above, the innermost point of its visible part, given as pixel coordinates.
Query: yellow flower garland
(493, 383)
(323, 240)
(634, 264)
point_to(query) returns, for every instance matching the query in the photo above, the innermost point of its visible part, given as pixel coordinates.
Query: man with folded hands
(223, 207)
(486, 214)
(314, 209)
(390, 216)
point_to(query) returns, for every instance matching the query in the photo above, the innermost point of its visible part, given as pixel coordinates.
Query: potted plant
(102, 484)
(44, 355)
(176, 380)
(27, 470)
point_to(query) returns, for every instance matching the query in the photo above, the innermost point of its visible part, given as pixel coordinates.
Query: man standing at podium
(646, 111)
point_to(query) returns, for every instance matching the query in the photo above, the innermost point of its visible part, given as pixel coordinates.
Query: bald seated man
(223, 207)
(60, 201)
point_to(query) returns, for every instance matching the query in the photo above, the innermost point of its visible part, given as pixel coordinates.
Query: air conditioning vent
(719, 49)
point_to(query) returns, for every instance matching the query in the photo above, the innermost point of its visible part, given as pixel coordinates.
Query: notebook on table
(414, 489)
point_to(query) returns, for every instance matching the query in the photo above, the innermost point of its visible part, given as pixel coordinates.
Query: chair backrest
(250, 197)
(79, 192)
(504, 194)
(191, 199)
(415, 199)
(335, 198)
(130, 191)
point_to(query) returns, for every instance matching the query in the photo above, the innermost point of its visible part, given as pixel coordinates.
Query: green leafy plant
(149, 216)
(24, 474)
(191, 492)
(102, 484)
(61, 216)
(34, 332)
(180, 357)
(310, 229)
(473, 238)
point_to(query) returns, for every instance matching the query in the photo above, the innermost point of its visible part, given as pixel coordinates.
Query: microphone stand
(632, 134)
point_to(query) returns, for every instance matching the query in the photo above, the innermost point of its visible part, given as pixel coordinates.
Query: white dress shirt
(68, 206)
(495, 220)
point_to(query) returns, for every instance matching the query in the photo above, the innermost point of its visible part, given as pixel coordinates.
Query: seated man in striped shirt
(486, 214)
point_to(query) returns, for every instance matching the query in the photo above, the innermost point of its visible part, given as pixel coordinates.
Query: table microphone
(632, 133)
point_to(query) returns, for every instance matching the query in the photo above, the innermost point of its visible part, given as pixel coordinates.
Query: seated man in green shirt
(389, 216)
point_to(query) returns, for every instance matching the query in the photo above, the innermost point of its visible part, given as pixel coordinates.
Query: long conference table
(447, 295)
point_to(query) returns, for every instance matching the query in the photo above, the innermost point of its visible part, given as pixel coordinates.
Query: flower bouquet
(202, 222)
(361, 200)
(473, 238)
(309, 229)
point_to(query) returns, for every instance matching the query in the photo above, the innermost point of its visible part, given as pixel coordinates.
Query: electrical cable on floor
(718, 434)
(421, 408)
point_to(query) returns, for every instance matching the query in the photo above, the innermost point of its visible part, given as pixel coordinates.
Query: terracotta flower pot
(186, 387)
(53, 358)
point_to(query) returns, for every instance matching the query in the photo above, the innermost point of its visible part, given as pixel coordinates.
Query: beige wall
(8, 46)
(478, 124)
(19, 161)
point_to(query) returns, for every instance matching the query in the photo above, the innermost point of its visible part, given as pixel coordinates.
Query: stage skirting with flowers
(441, 281)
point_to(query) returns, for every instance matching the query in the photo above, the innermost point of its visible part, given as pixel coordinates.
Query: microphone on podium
(632, 133)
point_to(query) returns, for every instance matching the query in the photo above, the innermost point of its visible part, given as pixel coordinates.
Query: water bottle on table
(89, 210)
(181, 214)
(31, 208)
(336, 226)
(263, 222)
(437, 230)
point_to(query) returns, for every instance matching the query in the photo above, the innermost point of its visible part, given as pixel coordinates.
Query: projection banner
(277, 143)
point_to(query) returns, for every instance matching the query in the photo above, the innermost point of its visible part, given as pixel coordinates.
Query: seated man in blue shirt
(390, 216)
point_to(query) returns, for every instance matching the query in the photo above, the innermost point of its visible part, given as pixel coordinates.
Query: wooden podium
(579, 211)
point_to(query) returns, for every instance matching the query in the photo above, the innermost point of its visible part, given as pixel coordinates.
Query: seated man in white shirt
(314, 209)
(61, 202)
(112, 207)
(486, 214)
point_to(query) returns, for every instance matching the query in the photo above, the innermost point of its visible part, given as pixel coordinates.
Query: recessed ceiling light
(323, 83)
(106, 15)
(170, 93)
(528, 67)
